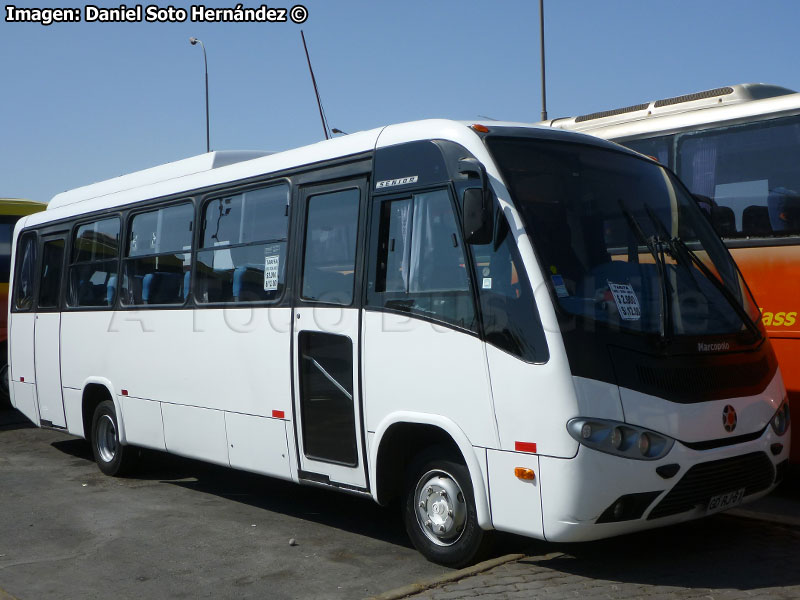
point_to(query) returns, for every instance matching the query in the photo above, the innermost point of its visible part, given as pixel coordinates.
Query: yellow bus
(11, 209)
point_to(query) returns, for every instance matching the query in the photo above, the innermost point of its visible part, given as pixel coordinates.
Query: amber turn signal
(524, 474)
(481, 128)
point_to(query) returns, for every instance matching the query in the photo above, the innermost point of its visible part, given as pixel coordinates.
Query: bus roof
(221, 167)
(165, 172)
(733, 103)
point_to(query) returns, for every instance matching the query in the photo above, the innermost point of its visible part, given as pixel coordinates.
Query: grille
(723, 91)
(753, 472)
(701, 381)
(611, 113)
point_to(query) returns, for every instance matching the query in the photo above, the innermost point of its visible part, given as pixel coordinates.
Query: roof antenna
(316, 91)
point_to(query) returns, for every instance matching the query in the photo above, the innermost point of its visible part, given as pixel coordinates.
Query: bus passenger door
(327, 399)
(47, 332)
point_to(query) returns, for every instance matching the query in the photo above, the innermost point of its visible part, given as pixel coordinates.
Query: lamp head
(193, 41)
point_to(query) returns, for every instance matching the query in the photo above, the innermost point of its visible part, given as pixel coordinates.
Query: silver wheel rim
(106, 438)
(441, 508)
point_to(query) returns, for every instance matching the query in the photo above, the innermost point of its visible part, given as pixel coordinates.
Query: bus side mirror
(477, 220)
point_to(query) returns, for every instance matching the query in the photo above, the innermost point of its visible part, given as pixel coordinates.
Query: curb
(426, 584)
(4, 595)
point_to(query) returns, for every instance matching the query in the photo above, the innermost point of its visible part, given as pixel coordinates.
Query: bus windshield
(621, 242)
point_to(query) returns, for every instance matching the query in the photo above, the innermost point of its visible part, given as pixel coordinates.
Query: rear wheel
(5, 396)
(440, 514)
(111, 456)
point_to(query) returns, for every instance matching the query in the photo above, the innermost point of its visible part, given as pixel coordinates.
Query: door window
(330, 247)
(50, 280)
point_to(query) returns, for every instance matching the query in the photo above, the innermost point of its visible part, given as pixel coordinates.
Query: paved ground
(723, 557)
(183, 529)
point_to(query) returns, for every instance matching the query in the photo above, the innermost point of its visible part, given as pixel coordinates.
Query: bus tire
(111, 456)
(439, 511)
(5, 396)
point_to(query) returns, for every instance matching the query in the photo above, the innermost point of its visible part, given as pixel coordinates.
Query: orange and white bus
(11, 209)
(737, 148)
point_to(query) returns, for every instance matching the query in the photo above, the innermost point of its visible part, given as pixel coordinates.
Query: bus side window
(94, 264)
(158, 260)
(420, 264)
(23, 286)
(510, 318)
(242, 255)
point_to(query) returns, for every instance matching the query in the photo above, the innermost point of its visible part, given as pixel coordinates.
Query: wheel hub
(106, 438)
(441, 509)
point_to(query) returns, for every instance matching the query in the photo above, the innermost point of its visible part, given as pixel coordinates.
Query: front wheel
(112, 457)
(440, 515)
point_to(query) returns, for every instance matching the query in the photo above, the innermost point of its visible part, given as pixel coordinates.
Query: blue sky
(82, 102)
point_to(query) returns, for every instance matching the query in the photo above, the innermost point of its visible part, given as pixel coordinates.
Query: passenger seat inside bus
(724, 220)
(755, 221)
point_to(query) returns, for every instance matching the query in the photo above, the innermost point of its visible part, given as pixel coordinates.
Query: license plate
(725, 501)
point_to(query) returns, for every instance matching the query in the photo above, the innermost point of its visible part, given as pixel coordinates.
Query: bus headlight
(620, 439)
(780, 422)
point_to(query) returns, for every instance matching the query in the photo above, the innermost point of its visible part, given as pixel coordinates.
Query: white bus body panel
(144, 425)
(196, 432)
(424, 368)
(48, 368)
(142, 353)
(258, 444)
(24, 400)
(702, 421)
(22, 361)
(533, 402)
(516, 503)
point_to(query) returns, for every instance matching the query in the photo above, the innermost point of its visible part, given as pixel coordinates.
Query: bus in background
(737, 148)
(399, 314)
(11, 210)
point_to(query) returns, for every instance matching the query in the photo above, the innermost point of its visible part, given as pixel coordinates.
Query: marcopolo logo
(718, 347)
(729, 418)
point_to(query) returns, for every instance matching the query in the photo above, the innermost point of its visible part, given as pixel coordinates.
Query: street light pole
(541, 38)
(194, 41)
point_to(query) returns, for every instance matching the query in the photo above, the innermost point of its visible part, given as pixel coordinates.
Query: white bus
(737, 148)
(498, 324)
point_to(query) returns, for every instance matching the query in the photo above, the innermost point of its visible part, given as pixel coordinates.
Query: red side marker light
(124, 392)
(22, 379)
(278, 414)
(525, 447)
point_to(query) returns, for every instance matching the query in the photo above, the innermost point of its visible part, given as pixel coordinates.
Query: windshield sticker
(626, 300)
(271, 264)
(392, 182)
(558, 283)
(487, 283)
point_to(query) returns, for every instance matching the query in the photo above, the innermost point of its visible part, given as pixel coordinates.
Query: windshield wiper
(654, 246)
(679, 246)
(681, 252)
